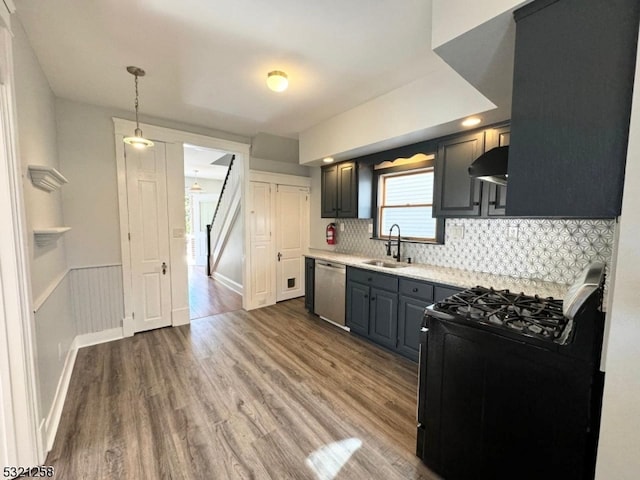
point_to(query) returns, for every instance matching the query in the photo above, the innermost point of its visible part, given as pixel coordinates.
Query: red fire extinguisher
(331, 234)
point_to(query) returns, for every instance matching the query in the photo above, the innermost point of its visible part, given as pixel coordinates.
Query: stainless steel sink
(382, 263)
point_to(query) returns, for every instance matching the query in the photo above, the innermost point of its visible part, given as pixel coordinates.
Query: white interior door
(292, 217)
(204, 206)
(261, 246)
(149, 236)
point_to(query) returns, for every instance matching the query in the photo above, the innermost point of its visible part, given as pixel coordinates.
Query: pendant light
(196, 188)
(137, 141)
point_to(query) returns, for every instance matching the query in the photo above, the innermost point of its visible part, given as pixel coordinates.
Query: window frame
(406, 169)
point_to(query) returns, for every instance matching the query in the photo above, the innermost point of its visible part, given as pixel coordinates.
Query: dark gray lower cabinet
(358, 307)
(309, 283)
(410, 314)
(384, 317)
(388, 310)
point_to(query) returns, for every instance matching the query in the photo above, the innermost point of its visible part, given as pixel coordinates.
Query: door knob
(279, 256)
(164, 268)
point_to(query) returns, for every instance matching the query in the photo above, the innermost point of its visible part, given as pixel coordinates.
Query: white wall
(91, 199)
(37, 144)
(271, 153)
(230, 262)
(452, 18)
(210, 186)
(400, 117)
(620, 431)
(317, 225)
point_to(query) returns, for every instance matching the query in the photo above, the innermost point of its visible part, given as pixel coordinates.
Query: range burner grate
(532, 316)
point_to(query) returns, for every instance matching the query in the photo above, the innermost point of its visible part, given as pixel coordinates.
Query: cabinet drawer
(378, 280)
(417, 289)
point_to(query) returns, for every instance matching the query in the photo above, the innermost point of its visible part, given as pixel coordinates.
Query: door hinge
(129, 235)
(133, 315)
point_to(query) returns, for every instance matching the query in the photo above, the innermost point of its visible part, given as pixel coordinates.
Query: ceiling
(207, 60)
(209, 163)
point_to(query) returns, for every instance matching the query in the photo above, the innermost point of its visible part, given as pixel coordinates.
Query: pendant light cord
(136, 103)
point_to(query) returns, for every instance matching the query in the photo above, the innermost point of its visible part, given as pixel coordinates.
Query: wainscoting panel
(97, 299)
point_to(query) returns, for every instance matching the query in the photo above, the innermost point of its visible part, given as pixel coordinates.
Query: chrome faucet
(397, 256)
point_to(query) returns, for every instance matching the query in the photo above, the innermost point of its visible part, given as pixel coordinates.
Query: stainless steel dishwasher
(330, 291)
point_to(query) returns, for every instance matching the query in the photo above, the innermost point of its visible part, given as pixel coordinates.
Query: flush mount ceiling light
(196, 188)
(471, 121)
(277, 81)
(328, 160)
(137, 141)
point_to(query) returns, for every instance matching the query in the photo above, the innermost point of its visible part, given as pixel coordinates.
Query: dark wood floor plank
(273, 393)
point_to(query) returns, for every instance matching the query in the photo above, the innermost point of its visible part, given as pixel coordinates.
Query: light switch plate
(370, 228)
(456, 232)
(342, 227)
(513, 232)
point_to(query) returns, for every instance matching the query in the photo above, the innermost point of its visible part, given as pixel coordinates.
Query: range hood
(491, 166)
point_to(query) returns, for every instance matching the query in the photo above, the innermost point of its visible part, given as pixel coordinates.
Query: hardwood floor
(208, 296)
(246, 395)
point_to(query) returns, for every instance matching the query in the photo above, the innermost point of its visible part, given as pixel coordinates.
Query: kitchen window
(405, 197)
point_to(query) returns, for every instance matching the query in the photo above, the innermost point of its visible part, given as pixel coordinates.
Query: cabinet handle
(492, 203)
(369, 279)
(415, 290)
(476, 203)
(373, 299)
(366, 296)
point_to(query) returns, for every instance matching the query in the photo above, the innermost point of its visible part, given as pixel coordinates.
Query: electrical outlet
(370, 228)
(342, 227)
(513, 232)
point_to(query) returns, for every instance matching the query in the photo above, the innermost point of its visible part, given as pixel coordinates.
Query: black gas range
(509, 384)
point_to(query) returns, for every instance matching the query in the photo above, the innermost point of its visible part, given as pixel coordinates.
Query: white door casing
(149, 236)
(292, 231)
(261, 245)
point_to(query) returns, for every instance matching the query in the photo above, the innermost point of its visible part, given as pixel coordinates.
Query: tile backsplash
(551, 250)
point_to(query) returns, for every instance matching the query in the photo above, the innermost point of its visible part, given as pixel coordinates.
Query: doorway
(205, 170)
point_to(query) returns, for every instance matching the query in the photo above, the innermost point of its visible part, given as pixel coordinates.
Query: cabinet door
(456, 193)
(347, 190)
(384, 317)
(358, 308)
(572, 93)
(309, 283)
(495, 196)
(410, 316)
(329, 192)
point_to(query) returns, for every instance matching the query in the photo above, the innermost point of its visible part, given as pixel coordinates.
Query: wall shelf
(46, 236)
(46, 178)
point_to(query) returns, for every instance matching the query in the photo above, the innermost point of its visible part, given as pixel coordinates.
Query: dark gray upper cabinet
(346, 190)
(456, 194)
(329, 191)
(572, 91)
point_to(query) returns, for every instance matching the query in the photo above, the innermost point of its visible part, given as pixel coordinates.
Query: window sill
(424, 242)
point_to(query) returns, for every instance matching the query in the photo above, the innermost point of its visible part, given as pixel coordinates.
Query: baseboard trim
(53, 419)
(180, 316)
(88, 339)
(227, 282)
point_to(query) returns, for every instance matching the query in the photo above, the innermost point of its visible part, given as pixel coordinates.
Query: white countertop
(449, 276)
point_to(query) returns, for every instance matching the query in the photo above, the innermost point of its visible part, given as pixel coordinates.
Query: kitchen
(464, 231)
